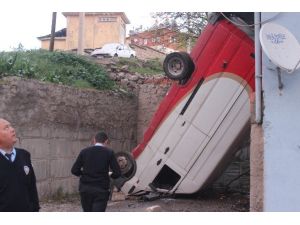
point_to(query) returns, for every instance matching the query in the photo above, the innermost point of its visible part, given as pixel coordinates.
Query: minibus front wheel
(178, 66)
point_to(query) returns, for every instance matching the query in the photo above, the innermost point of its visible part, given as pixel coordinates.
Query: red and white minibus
(202, 118)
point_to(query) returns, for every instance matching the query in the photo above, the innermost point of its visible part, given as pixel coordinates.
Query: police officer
(18, 192)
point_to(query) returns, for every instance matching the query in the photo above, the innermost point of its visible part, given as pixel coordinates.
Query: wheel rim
(127, 165)
(123, 162)
(175, 66)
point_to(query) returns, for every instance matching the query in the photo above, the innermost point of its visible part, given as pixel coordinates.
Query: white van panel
(144, 159)
(181, 104)
(174, 166)
(192, 141)
(163, 131)
(187, 186)
(205, 164)
(152, 169)
(133, 182)
(199, 99)
(217, 105)
(174, 135)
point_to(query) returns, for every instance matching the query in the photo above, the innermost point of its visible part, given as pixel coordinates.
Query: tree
(188, 24)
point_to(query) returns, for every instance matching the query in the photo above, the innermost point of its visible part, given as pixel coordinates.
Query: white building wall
(281, 124)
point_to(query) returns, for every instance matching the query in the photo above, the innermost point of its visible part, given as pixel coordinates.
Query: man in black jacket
(18, 192)
(92, 166)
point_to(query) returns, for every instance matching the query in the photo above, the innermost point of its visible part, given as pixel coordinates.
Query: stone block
(44, 189)
(63, 132)
(38, 148)
(66, 186)
(85, 135)
(41, 169)
(31, 131)
(62, 148)
(61, 168)
(77, 146)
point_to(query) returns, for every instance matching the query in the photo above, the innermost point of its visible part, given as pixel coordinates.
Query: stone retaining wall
(54, 122)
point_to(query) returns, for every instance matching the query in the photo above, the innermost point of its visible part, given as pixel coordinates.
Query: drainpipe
(258, 70)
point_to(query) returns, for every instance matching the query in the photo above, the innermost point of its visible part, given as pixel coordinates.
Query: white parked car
(114, 50)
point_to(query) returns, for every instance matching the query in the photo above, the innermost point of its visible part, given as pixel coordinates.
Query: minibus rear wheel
(127, 164)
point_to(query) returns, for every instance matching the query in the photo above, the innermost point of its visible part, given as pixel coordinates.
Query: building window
(107, 19)
(145, 41)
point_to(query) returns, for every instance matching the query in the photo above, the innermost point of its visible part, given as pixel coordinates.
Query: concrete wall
(59, 44)
(257, 168)
(149, 97)
(54, 122)
(281, 128)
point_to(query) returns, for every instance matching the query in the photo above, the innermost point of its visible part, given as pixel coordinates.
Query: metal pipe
(258, 70)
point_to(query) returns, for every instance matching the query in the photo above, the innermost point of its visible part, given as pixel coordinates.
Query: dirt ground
(229, 202)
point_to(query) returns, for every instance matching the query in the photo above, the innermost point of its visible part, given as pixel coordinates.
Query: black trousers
(94, 202)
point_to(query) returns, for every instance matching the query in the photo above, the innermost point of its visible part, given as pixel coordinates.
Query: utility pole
(51, 46)
(80, 48)
(188, 45)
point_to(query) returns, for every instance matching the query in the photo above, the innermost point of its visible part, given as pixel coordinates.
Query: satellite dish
(281, 46)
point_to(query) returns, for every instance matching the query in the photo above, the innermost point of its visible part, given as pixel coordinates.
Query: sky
(23, 21)
(29, 25)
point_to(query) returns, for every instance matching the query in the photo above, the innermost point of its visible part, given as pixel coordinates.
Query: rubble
(155, 208)
(127, 80)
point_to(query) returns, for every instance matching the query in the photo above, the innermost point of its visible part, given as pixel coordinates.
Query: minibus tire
(178, 66)
(127, 164)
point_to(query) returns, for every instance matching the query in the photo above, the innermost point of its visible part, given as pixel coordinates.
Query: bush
(148, 67)
(56, 67)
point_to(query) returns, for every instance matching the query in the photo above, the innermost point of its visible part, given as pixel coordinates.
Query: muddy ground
(207, 202)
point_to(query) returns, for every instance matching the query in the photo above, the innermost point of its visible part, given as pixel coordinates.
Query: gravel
(120, 203)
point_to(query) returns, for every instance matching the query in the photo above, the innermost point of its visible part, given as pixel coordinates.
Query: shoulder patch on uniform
(26, 170)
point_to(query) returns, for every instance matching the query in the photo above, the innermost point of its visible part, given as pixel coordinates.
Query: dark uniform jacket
(92, 165)
(18, 192)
